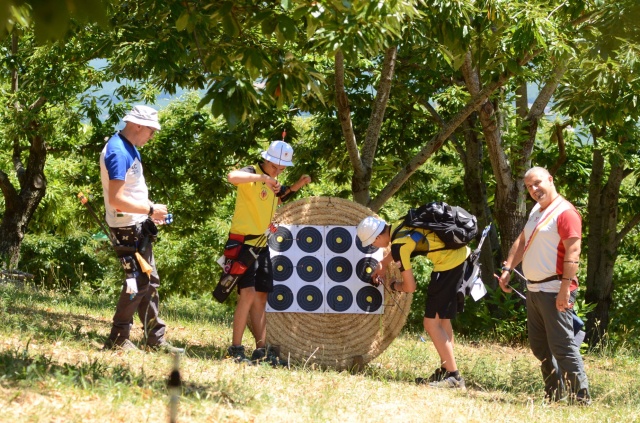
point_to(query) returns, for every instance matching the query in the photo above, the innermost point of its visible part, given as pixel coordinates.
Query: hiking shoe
(437, 376)
(237, 353)
(259, 354)
(265, 355)
(272, 357)
(123, 345)
(449, 382)
(583, 398)
(166, 348)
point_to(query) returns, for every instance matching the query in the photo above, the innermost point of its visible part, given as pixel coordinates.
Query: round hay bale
(340, 341)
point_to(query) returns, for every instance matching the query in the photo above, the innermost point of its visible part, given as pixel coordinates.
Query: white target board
(323, 269)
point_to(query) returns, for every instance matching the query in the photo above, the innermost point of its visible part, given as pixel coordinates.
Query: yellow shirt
(255, 206)
(406, 243)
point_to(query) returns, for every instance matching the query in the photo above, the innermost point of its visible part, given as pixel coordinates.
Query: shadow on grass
(19, 369)
(50, 325)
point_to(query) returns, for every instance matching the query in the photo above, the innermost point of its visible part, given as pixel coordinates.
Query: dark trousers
(145, 302)
(552, 342)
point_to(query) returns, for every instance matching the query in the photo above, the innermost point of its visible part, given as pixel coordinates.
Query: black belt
(549, 279)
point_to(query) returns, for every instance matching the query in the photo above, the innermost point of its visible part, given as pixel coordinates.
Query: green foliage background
(185, 166)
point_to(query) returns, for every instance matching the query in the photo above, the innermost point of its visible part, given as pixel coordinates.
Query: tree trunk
(603, 243)
(476, 191)
(18, 213)
(20, 205)
(363, 163)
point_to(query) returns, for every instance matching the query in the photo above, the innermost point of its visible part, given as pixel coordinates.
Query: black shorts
(442, 293)
(259, 273)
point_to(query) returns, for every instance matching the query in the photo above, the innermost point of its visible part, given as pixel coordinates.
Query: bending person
(441, 303)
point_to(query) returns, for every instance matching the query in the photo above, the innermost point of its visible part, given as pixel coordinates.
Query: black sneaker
(583, 398)
(237, 353)
(166, 348)
(122, 345)
(437, 376)
(273, 358)
(259, 354)
(266, 355)
(449, 382)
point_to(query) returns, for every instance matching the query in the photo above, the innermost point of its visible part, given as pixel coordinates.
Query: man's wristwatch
(506, 269)
(150, 210)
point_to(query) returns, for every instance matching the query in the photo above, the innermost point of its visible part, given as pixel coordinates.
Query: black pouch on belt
(149, 235)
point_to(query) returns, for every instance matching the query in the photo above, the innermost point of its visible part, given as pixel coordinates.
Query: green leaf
(182, 21)
(287, 27)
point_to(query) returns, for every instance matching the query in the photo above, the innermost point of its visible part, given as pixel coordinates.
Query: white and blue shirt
(120, 160)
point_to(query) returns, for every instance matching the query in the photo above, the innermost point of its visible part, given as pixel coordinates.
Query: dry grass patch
(52, 370)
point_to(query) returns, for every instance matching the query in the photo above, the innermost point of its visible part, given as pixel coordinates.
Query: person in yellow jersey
(441, 303)
(259, 193)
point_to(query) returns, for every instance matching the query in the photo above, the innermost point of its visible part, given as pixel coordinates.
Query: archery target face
(323, 269)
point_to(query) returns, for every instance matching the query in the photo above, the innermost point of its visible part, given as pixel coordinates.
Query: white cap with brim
(279, 153)
(143, 115)
(369, 229)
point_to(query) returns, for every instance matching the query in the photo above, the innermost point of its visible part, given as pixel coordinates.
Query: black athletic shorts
(442, 293)
(259, 273)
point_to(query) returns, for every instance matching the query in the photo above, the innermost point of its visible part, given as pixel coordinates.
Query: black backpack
(455, 226)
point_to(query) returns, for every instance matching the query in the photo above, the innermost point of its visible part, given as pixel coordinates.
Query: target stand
(323, 270)
(322, 310)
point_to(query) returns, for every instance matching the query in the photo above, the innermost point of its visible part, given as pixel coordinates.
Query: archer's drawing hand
(273, 184)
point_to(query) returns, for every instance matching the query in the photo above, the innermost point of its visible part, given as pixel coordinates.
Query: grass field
(52, 370)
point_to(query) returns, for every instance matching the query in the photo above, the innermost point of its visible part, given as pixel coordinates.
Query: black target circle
(281, 298)
(309, 239)
(281, 240)
(282, 268)
(339, 298)
(365, 268)
(309, 298)
(339, 269)
(366, 250)
(369, 299)
(339, 240)
(309, 268)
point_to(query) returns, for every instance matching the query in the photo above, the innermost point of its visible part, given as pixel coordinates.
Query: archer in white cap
(130, 214)
(259, 193)
(441, 300)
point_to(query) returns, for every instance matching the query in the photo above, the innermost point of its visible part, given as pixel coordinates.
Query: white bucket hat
(279, 153)
(143, 115)
(369, 229)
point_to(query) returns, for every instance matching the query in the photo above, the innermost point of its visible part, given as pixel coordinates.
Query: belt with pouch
(549, 279)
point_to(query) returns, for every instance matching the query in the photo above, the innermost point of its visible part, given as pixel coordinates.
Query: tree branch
(435, 143)
(379, 107)
(544, 96)
(37, 104)
(635, 220)
(453, 137)
(344, 116)
(14, 71)
(8, 190)
(562, 152)
(522, 100)
(498, 158)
